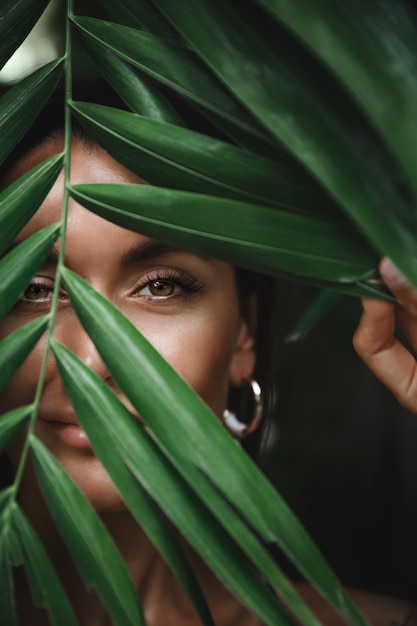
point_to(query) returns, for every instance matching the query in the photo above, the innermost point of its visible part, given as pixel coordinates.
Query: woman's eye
(168, 284)
(160, 288)
(37, 292)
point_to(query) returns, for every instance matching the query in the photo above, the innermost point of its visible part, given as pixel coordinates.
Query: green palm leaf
(16, 347)
(371, 48)
(20, 106)
(175, 157)
(195, 441)
(7, 536)
(291, 99)
(11, 423)
(19, 265)
(87, 538)
(17, 18)
(145, 17)
(174, 65)
(95, 403)
(322, 100)
(323, 303)
(257, 237)
(45, 587)
(20, 200)
(7, 606)
(136, 90)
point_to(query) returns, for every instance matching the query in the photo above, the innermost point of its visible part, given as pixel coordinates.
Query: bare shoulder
(379, 610)
(384, 611)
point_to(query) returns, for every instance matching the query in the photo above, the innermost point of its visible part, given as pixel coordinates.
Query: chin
(81, 465)
(96, 485)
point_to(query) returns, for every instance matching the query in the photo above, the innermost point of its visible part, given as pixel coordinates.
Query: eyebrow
(144, 251)
(151, 249)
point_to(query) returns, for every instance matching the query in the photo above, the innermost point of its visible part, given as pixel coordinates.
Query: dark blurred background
(344, 455)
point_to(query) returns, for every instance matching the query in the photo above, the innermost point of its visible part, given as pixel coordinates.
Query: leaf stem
(61, 253)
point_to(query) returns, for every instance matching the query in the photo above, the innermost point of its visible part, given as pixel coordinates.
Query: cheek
(200, 350)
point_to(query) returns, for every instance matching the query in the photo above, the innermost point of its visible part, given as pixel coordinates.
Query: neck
(161, 595)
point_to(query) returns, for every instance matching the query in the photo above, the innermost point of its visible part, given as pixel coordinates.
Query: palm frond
(312, 180)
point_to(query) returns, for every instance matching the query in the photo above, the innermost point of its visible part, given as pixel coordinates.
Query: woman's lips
(69, 433)
(67, 429)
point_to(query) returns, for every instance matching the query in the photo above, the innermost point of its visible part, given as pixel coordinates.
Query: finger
(375, 332)
(384, 354)
(398, 285)
(406, 295)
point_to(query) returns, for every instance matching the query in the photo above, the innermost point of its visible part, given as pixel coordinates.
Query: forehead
(89, 164)
(88, 160)
(88, 233)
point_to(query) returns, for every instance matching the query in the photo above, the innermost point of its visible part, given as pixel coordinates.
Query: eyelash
(45, 284)
(177, 278)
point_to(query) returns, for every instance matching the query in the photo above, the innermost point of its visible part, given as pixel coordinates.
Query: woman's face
(186, 305)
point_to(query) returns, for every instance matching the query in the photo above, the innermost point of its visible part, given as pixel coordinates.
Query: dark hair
(49, 126)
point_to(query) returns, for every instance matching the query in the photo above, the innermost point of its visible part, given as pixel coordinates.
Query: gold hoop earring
(240, 429)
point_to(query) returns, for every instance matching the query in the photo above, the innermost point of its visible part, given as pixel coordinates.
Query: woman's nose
(71, 334)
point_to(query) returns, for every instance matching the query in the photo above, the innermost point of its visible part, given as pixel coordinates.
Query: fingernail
(391, 273)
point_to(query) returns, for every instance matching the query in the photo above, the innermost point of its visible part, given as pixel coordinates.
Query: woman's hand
(374, 340)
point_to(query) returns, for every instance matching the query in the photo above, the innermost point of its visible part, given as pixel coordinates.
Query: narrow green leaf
(11, 423)
(261, 238)
(87, 538)
(371, 47)
(15, 347)
(20, 200)
(45, 586)
(17, 18)
(140, 14)
(244, 139)
(94, 404)
(322, 304)
(167, 487)
(14, 544)
(8, 537)
(7, 599)
(288, 92)
(7, 604)
(19, 265)
(179, 158)
(139, 93)
(174, 65)
(6, 495)
(196, 443)
(20, 106)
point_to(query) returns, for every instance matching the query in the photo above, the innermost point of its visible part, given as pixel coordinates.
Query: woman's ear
(243, 361)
